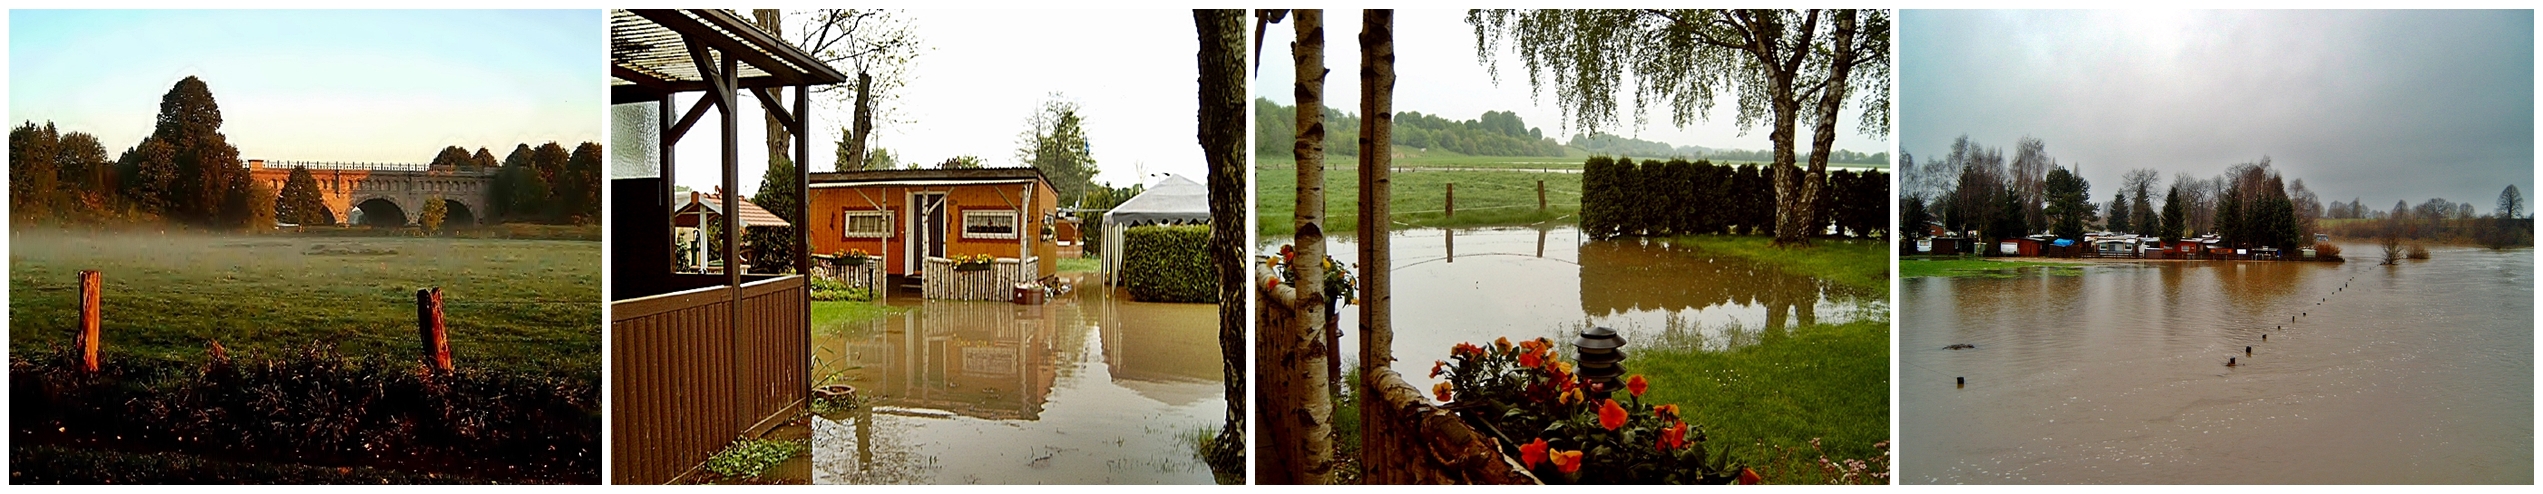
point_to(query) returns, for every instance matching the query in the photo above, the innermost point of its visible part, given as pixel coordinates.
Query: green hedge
(1660, 198)
(1168, 264)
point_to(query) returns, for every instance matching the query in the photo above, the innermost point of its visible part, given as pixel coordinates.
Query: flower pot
(971, 267)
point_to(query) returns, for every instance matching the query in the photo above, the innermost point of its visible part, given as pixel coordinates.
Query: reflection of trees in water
(980, 359)
(1651, 275)
(882, 452)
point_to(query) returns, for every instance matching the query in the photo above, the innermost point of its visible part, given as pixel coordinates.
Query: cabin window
(988, 224)
(867, 224)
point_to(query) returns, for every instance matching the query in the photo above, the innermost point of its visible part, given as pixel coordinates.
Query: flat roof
(649, 58)
(946, 175)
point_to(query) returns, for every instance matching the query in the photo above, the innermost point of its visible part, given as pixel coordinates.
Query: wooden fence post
(90, 282)
(1452, 199)
(1540, 195)
(428, 325)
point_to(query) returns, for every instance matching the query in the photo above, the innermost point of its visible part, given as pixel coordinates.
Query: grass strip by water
(1859, 263)
(748, 458)
(1080, 264)
(1484, 197)
(1970, 267)
(1829, 382)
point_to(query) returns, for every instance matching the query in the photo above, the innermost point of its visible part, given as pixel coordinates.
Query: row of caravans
(2109, 245)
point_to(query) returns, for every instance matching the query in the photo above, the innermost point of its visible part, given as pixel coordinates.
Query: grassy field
(1973, 267)
(1829, 382)
(511, 305)
(1483, 198)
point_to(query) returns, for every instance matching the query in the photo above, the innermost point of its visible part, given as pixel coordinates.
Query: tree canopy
(1054, 141)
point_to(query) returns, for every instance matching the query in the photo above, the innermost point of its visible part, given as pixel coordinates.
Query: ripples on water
(2420, 373)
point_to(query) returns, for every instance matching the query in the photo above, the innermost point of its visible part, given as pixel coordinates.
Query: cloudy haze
(2379, 105)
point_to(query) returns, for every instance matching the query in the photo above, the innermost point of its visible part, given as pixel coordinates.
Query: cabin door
(927, 230)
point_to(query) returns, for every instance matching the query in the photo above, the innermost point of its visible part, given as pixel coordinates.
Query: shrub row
(1168, 263)
(1677, 197)
(315, 405)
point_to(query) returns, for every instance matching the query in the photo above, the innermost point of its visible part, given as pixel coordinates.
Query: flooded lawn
(1089, 389)
(1474, 285)
(2421, 373)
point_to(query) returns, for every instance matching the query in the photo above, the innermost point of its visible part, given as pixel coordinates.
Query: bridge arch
(380, 211)
(458, 213)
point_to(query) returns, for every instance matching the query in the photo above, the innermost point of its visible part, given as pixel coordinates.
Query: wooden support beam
(696, 111)
(777, 111)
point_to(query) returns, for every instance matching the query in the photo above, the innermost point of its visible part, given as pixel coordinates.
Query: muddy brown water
(1089, 389)
(1475, 285)
(2418, 373)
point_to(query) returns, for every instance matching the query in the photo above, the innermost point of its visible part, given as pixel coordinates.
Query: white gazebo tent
(1172, 201)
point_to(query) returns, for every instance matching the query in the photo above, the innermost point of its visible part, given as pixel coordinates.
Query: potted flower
(852, 258)
(1526, 394)
(978, 262)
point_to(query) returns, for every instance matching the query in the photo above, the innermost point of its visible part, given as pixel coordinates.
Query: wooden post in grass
(90, 281)
(1540, 195)
(1452, 199)
(428, 326)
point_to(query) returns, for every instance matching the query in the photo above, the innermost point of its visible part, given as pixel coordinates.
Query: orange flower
(1532, 453)
(1636, 385)
(1571, 395)
(1610, 415)
(1748, 477)
(1673, 437)
(1502, 344)
(1440, 389)
(1436, 366)
(1568, 461)
(1271, 283)
(1529, 360)
(1669, 411)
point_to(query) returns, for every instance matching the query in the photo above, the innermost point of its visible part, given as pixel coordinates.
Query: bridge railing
(349, 165)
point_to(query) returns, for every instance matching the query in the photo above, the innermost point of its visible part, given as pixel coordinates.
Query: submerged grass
(1080, 265)
(1827, 382)
(1973, 267)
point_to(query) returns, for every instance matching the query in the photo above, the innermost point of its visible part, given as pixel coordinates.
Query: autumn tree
(435, 210)
(1788, 68)
(186, 170)
(452, 158)
(301, 202)
(578, 194)
(33, 178)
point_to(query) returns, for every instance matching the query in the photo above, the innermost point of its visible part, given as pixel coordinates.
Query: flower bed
(1565, 431)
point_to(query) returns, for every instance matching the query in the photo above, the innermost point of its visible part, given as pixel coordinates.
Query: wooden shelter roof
(648, 59)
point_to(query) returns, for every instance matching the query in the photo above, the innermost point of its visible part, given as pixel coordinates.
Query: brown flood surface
(1088, 389)
(1474, 285)
(2418, 373)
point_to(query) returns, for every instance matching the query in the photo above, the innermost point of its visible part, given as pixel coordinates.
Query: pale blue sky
(368, 85)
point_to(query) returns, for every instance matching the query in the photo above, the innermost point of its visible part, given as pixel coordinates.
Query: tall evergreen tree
(2068, 202)
(301, 202)
(772, 248)
(2173, 217)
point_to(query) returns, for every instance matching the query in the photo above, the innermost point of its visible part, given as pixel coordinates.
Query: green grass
(849, 316)
(1827, 381)
(511, 305)
(1419, 198)
(1859, 263)
(1972, 267)
(1080, 264)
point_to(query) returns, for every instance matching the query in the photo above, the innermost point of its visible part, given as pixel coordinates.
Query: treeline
(184, 172)
(1497, 133)
(1620, 197)
(2437, 219)
(1976, 189)
(1611, 144)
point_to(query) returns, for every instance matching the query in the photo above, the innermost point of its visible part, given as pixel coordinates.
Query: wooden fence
(997, 283)
(868, 275)
(684, 381)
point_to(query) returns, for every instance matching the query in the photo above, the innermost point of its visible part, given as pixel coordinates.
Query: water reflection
(1087, 389)
(1525, 283)
(2419, 373)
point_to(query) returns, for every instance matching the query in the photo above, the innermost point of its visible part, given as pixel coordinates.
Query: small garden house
(904, 218)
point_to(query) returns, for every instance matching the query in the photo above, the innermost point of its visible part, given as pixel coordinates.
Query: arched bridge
(387, 193)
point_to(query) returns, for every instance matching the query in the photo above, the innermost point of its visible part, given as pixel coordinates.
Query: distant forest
(1496, 133)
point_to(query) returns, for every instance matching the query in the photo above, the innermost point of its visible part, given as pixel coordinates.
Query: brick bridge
(387, 193)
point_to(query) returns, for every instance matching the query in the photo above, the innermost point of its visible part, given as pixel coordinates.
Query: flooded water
(1474, 285)
(1088, 389)
(2419, 373)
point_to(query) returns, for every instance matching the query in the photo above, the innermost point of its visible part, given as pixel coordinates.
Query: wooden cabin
(904, 217)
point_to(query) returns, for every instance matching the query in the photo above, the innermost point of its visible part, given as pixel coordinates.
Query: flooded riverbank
(2418, 373)
(1091, 388)
(1474, 285)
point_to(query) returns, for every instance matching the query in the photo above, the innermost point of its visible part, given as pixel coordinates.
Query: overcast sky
(353, 85)
(1133, 74)
(2380, 105)
(1437, 74)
